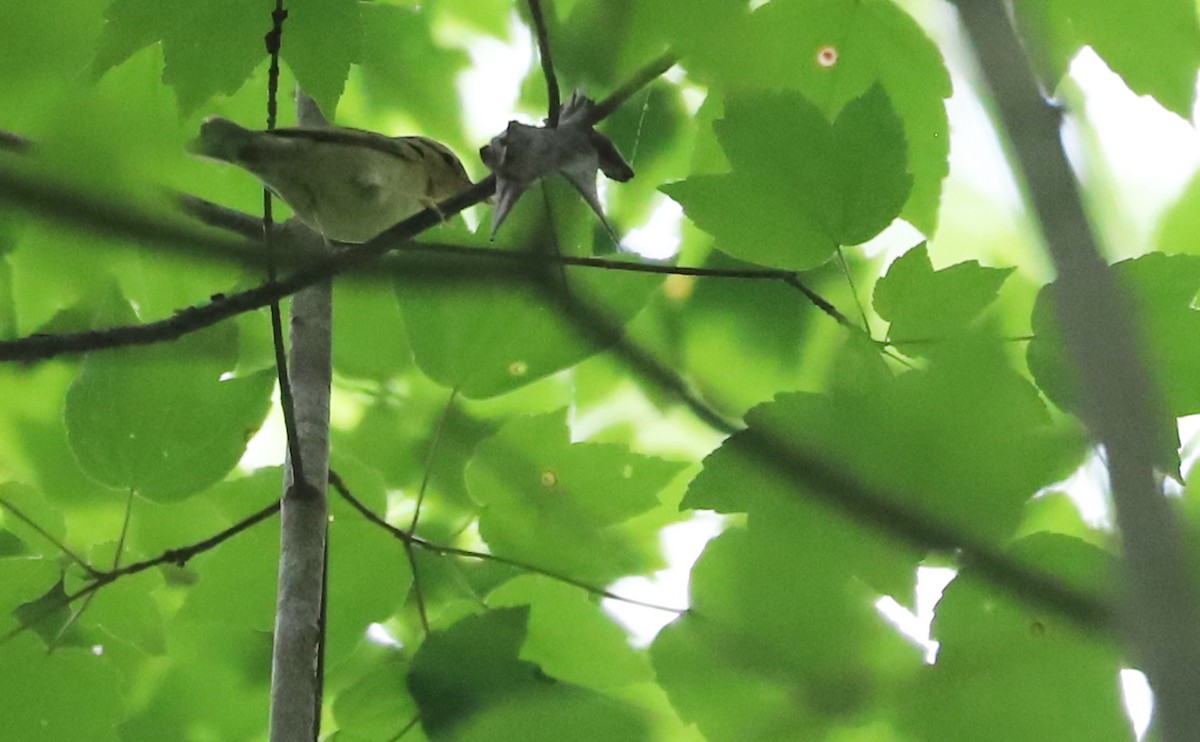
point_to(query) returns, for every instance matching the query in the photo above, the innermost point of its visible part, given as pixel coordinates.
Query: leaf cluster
(516, 445)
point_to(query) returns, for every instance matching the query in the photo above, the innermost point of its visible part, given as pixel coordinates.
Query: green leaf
(320, 40)
(369, 577)
(393, 447)
(598, 45)
(160, 420)
(570, 637)
(51, 616)
(787, 44)
(236, 585)
(40, 519)
(1160, 289)
(368, 334)
(562, 505)
(66, 694)
(966, 442)
(486, 16)
(208, 48)
(658, 128)
(469, 685)
(486, 334)
(22, 581)
(1007, 672)
(740, 670)
(709, 25)
(43, 45)
(377, 705)
(924, 304)
(403, 66)
(1154, 47)
(127, 610)
(800, 186)
(1049, 37)
(1179, 226)
(10, 545)
(217, 680)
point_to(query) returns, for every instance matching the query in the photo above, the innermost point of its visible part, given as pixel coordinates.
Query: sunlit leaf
(831, 51)
(1006, 671)
(208, 48)
(801, 186)
(1155, 48)
(741, 672)
(561, 505)
(160, 420)
(570, 638)
(933, 307)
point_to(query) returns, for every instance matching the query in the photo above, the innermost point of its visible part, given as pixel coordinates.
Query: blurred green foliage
(790, 133)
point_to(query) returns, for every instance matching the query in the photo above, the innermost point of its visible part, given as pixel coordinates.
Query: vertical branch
(297, 656)
(543, 39)
(295, 682)
(1159, 610)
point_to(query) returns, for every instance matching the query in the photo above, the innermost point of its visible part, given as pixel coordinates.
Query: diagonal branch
(179, 557)
(1160, 610)
(117, 218)
(828, 482)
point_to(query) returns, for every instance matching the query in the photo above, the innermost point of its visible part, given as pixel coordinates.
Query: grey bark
(295, 678)
(1159, 614)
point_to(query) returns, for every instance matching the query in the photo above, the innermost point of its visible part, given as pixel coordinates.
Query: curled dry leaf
(573, 149)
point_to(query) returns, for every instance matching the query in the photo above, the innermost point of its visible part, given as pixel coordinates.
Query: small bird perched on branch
(347, 184)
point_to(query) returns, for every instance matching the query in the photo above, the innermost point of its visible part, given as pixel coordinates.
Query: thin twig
(870, 506)
(418, 591)
(406, 537)
(274, 40)
(936, 341)
(405, 730)
(119, 219)
(553, 95)
(434, 264)
(179, 557)
(640, 79)
(429, 458)
(66, 551)
(845, 266)
(533, 568)
(116, 563)
(124, 529)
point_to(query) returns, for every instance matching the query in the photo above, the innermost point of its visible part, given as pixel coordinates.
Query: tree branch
(826, 481)
(179, 557)
(553, 95)
(1160, 614)
(298, 651)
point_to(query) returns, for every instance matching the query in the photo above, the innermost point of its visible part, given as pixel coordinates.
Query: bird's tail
(221, 139)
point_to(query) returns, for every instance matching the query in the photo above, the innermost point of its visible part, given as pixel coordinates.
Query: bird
(346, 184)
